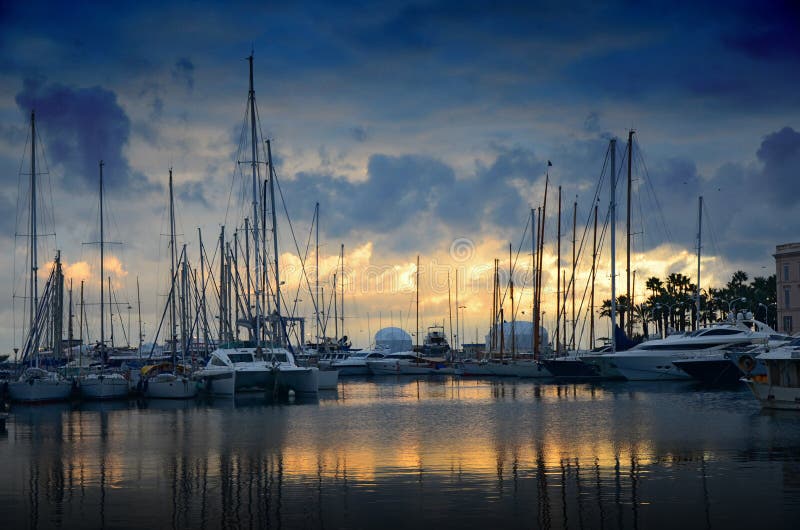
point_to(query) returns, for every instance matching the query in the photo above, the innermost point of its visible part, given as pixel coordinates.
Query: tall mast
(275, 243)
(139, 304)
(80, 332)
(558, 278)
(513, 313)
(102, 272)
(613, 215)
(173, 316)
(222, 294)
(543, 217)
(34, 258)
(629, 309)
(254, 165)
(335, 310)
(316, 256)
(457, 336)
(594, 275)
(110, 314)
(184, 307)
(534, 232)
(341, 282)
(450, 307)
(247, 267)
(417, 282)
(70, 333)
(236, 295)
(203, 286)
(572, 281)
(699, 246)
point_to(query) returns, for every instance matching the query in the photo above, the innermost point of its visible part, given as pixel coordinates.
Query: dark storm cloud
(401, 192)
(752, 201)
(780, 155)
(82, 126)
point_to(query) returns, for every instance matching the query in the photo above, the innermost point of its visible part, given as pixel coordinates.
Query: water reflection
(404, 452)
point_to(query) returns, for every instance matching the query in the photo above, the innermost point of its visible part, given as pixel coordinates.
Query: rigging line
(660, 210)
(236, 168)
(710, 225)
(308, 247)
(291, 229)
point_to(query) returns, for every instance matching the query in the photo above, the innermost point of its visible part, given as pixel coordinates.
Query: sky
(422, 128)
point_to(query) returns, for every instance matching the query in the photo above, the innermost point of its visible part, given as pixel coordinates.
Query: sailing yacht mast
(699, 246)
(558, 278)
(34, 294)
(173, 316)
(629, 309)
(102, 273)
(417, 285)
(254, 165)
(275, 243)
(316, 257)
(613, 215)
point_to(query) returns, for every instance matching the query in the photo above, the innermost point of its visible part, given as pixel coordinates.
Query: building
(787, 283)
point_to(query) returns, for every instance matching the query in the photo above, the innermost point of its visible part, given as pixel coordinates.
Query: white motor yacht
(38, 385)
(356, 363)
(779, 388)
(653, 360)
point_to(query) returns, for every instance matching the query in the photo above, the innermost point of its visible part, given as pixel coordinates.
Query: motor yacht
(653, 360)
(779, 387)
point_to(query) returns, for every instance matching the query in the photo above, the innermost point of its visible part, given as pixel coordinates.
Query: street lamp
(733, 301)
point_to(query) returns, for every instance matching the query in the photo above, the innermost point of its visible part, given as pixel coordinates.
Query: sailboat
(35, 383)
(104, 383)
(170, 380)
(256, 366)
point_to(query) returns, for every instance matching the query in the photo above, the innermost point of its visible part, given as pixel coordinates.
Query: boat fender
(747, 363)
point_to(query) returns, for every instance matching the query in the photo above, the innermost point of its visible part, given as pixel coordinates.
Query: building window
(787, 324)
(786, 298)
(786, 272)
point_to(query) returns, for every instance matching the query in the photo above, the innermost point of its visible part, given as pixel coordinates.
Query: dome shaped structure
(395, 339)
(524, 336)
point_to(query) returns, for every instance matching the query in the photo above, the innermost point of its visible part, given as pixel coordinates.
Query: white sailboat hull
(301, 380)
(39, 390)
(168, 386)
(104, 386)
(328, 379)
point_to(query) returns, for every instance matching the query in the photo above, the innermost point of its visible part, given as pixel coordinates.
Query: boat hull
(645, 367)
(574, 369)
(328, 379)
(711, 371)
(774, 397)
(179, 387)
(39, 391)
(104, 387)
(300, 380)
(529, 369)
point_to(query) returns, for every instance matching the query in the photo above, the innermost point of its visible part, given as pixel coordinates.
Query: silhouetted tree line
(671, 304)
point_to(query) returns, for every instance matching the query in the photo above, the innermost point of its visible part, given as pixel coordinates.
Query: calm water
(407, 453)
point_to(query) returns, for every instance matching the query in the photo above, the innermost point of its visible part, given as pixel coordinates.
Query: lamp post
(733, 301)
(669, 310)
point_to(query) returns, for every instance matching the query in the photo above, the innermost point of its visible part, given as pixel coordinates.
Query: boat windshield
(240, 357)
(795, 342)
(278, 357)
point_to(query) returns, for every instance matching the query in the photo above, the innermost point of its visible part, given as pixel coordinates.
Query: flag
(549, 164)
